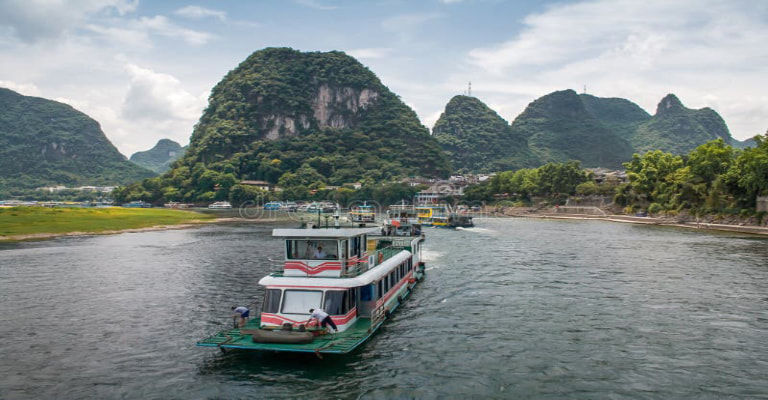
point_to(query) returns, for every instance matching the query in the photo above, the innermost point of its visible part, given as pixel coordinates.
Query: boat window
(355, 247)
(380, 286)
(312, 249)
(351, 298)
(300, 301)
(272, 301)
(336, 302)
(366, 292)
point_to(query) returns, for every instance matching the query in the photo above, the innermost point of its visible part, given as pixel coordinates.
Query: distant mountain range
(44, 142)
(322, 118)
(160, 157)
(563, 126)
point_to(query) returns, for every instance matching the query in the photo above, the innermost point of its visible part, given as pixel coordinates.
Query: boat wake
(476, 229)
(430, 256)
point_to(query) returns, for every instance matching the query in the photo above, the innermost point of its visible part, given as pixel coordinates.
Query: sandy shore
(750, 229)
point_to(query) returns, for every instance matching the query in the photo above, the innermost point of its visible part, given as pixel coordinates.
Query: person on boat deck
(319, 253)
(243, 313)
(322, 318)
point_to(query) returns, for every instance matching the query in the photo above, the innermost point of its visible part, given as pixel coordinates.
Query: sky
(144, 69)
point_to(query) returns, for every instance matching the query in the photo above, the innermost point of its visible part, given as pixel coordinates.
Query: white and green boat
(360, 279)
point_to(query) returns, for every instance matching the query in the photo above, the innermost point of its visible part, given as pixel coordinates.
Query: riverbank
(30, 223)
(707, 223)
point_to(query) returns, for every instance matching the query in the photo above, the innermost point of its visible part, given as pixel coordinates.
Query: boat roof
(323, 233)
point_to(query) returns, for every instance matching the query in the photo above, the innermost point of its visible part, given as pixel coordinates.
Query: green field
(17, 221)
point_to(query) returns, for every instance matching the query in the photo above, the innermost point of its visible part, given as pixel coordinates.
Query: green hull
(338, 343)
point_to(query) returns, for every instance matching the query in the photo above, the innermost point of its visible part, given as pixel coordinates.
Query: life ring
(381, 258)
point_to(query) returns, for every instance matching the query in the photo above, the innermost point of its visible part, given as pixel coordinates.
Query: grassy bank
(19, 221)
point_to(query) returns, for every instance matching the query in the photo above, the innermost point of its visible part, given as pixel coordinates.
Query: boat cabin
(326, 252)
(376, 273)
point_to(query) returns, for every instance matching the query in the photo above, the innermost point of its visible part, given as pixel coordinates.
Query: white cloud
(370, 53)
(158, 97)
(640, 51)
(27, 89)
(35, 20)
(197, 12)
(162, 26)
(316, 4)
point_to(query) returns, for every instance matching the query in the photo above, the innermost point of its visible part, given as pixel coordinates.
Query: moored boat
(460, 220)
(220, 205)
(357, 276)
(433, 215)
(362, 214)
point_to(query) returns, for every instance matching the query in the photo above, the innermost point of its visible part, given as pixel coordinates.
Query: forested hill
(282, 109)
(678, 130)
(44, 142)
(477, 139)
(564, 126)
(300, 120)
(160, 157)
(559, 128)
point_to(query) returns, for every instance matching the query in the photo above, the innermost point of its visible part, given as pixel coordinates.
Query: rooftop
(324, 233)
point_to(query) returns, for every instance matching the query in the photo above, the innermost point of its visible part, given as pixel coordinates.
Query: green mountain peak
(159, 157)
(670, 105)
(477, 139)
(44, 142)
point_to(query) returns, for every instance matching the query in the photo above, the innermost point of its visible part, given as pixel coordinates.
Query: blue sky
(144, 69)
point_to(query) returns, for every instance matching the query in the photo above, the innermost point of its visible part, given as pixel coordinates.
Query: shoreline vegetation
(34, 223)
(30, 223)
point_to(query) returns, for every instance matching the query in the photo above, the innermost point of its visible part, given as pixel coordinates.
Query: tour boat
(362, 214)
(402, 220)
(137, 204)
(460, 220)
(433, 215)
(356, 275)
(220, 205)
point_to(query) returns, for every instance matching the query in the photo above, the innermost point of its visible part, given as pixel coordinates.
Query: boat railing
(377, 317)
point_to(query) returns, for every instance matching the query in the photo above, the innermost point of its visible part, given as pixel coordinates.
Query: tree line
(714, 178)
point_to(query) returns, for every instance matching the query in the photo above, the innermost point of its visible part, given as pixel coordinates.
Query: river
(514, 308)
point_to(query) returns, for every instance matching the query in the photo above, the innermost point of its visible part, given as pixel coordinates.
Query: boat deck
(336, 343)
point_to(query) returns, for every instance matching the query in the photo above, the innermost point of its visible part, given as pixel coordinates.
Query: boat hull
(337, 343)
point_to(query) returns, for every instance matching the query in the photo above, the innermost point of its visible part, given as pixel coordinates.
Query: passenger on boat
(243, 313)
(319, 253)
(322, 318)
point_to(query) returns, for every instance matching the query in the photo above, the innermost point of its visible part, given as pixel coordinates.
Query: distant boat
(173, 204)
(362, 214)
(220, 205)
(137, 204)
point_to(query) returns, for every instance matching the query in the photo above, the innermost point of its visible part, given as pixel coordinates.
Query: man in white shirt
(319, 253)
(322, 318)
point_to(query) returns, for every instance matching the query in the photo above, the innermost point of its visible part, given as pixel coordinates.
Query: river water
(514, 308)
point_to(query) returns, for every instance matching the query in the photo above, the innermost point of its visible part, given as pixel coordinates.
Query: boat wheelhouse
(355, 275)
